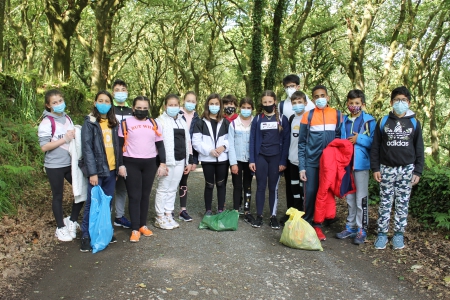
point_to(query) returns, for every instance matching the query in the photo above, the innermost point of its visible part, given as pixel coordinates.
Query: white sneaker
(172, 222)
(72, 227)
(63, 234)
(162, 223)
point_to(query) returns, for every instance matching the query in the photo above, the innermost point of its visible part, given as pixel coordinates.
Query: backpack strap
(123, 124)
(281, 107)
(155, 126)
(291, 118)
(308, 125)
(383, 123)
(414, 122)
(232, 123)
(53, 124)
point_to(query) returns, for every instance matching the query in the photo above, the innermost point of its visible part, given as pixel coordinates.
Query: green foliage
(442, 219)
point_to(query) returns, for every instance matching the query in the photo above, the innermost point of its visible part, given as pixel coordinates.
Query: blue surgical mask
(400, 107)
(245, 112)
(321, 103)
(172, 111)
(103, 108)
(120, 96)
(59, 108)
(189, 106)
(214, 109)
(298, 108)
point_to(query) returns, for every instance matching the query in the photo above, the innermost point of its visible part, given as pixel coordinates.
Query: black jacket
(398, 144)
(93, 148)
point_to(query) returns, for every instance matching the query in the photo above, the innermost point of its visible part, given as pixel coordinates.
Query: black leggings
(140, 175)
(296, 187)
(56, 177)
(215, 173)
(183, 190)
(242, 181)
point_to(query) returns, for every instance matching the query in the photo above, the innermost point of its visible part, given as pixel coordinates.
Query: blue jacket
(256, 139)
(239, 141)
(361, 154)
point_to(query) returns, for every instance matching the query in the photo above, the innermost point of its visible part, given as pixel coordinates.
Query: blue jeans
(311, 186)
(107, 184)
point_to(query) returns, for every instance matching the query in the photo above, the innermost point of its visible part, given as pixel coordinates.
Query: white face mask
(290, 91)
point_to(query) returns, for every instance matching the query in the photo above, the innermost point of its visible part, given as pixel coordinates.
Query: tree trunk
(104, 11)
(62, 25)
(2, 27)
(269, 81)
(257, 50)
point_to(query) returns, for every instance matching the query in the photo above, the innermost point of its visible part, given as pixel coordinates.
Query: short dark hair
(206, 107)
(319, 87)
(119, 82)
(291, 79)
(353, 94)
(229, 99)
(298, 95)
(48, 95)
(401, 90)
(141, 98)
(247, 100)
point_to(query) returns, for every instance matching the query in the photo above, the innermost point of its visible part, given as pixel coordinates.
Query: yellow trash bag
(297, 233)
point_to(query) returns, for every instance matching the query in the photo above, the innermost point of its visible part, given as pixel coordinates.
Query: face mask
(103, 108)
(189, 106)
(400, 107)
(269, 108)
(141, 114)
(173, 111)
(321, 103)
(246, 112)
(59, 108)
(290, 91)
(298, 108)
(120, 96)
(354, 109)
(214, 109)
(229, 110)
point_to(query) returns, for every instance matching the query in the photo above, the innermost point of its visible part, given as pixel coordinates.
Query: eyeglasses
(290, 86)
(404, 100)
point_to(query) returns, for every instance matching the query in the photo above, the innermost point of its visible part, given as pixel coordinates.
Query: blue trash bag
(100, 227)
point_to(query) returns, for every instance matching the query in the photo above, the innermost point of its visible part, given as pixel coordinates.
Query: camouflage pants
(395, 186)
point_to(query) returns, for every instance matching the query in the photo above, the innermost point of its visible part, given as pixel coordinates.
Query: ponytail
(277, 115)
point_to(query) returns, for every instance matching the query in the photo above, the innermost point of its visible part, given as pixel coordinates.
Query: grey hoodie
(58, 157)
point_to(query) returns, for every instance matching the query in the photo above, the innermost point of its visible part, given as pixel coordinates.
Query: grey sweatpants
(358, 208)
(120, 197)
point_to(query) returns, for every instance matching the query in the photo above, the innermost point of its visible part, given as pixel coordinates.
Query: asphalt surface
(188, 263)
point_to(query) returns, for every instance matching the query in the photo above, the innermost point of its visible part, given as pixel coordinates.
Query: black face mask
(140, 114)
(229, 110)
(269, 109)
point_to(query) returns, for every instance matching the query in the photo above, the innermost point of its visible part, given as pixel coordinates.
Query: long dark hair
(50, 94)
(206, 108)
(272, 94)
(110, 115)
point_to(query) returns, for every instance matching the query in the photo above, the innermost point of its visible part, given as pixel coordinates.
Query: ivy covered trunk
(2, 26)
(257, 50)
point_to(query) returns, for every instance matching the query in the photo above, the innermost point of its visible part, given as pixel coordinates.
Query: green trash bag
(297, 233)
(226, 220)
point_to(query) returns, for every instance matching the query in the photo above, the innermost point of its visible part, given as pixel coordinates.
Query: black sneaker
(208, 213)
(249, 218)
(258, 222)
(284, 219)
(85, 244)
(274, 222)
(113, 240)
(185, 216)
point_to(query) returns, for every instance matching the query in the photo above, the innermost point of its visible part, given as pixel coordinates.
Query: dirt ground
(190, 263)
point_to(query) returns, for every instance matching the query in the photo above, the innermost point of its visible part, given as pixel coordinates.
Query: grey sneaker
(162, 223)
(360, 237)
(397, 242)
(347, 232)
(381, 241)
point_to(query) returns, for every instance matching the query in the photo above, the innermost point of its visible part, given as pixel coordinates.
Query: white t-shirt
(293, 147)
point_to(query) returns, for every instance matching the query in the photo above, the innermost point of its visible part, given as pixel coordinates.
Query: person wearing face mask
(55, 132)
(397, 160)
(229, 107)
(294, 187)
(122, 112)
(191, 117)
(358, 127)
(177, 144)
(101, 153)
(210, 140)
(238, 138)
(141, 141)
(318, 128)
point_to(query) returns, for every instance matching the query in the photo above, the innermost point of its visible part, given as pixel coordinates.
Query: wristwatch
(224, 147)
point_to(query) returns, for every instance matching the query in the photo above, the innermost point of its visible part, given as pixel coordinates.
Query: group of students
(124, 149)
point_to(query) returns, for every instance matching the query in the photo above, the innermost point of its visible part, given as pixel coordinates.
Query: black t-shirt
(214, 128)
(180, 144)
(270, 136)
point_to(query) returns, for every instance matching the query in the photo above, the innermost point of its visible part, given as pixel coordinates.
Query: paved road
(188, 263)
